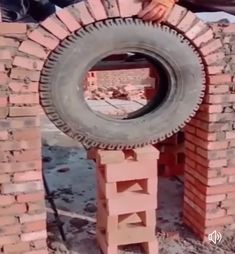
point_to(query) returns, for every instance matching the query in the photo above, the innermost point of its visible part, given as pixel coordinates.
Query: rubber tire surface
(61, 88)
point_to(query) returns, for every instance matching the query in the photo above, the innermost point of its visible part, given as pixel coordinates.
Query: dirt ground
(71, 180)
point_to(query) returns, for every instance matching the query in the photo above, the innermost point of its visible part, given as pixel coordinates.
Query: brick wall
(22, 207)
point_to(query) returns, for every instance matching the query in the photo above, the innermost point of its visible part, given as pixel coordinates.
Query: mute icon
(215, 237)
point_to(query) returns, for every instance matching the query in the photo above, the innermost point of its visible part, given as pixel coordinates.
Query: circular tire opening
(178, 90)
(128, 85)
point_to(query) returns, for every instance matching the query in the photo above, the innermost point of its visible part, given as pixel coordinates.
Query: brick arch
(48, 35)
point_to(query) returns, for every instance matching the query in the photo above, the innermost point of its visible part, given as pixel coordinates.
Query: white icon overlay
(215, 237)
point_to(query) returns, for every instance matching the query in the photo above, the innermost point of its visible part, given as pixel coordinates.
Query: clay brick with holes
(118, 222)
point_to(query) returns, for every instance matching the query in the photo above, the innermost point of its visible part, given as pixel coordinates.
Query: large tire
(61, 87)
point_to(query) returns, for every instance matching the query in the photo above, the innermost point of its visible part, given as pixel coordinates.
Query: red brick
(217, 181)
(32, 98)
(231, 179)
(31, 197)
(230, 135)
(27, 155)
(3, 78)
(16, 248)
(225, 188)
(145, 153)
(220, 79)
(21, 87)
(27, 218)
(9, 42)
(204, 38)
(28, 133)
(215, 57)
(3, 112)
(3, 136)
(67, 18)
(13, 210)
(228, 171)
(215, 198)
(177, 14)
(129, 8)
(231, 211)
(190, 146)
(108, 157)
(84, 14)
(11, 230)
(27, 176)
(27, 237)
(12, 28)
(24, 111)
(111, 8)
(229, 203)
(186, 22)
(2, 67)
(211, 155)
(34, 49)
(97, 9)
(190, 129)
(219, 98)
(28, 63)
(11, 239)
(34, 226)
(39, 244)
(8, 220)
(3, 101)
(229, 29)
(5, 54)
(195, 30)
(218, 89)
(42, 251)
(22, 187)
(6, 200)
(211, 47)
(20, 166)
(25, 75)
(206, 135)
(19, 145)
(113, 173)
(36, 207)
(54, 25)
(219, 221)
(215, 69)
(24, 122)
(121, 205)
(44, 38)
(4, 178)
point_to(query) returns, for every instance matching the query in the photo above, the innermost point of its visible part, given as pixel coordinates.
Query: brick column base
(22, 205)
(126, 198)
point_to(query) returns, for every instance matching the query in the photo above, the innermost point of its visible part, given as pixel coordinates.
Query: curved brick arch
(45, 38)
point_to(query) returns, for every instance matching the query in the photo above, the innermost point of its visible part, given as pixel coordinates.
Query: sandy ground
(71, 180)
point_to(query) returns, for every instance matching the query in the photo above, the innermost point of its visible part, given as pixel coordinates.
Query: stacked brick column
(22, 208)
(209, 201)
(126, 198)
(172, 155)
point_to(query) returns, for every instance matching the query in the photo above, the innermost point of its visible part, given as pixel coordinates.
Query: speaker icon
(215, 237)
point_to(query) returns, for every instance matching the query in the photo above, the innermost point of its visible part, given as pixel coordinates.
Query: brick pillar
(172, 155)
(209, 201)
(22, 207)
(126, 198)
